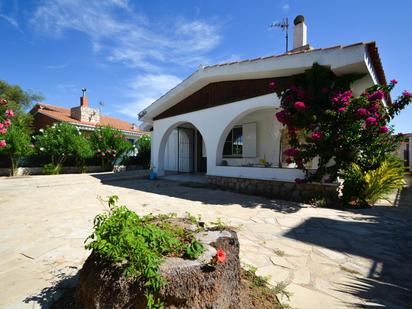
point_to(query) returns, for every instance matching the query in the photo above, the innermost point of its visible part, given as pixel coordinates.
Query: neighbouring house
(221, 119)
(405, 151)
(84, 117)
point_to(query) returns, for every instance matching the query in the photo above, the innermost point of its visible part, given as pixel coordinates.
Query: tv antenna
(284, 25)
(101, 104)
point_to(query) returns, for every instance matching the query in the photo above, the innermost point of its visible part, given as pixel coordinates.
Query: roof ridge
(289, 53)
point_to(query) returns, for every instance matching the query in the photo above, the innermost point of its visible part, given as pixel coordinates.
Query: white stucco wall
(267, 137)
(213, 124)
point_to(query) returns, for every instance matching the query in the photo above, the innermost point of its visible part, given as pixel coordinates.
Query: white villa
(221, 119)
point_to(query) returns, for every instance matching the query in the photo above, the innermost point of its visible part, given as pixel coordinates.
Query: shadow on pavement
(59, 296)
(385, 238)
(200, 193)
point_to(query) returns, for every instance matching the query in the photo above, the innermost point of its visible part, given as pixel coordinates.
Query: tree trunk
(13, 170)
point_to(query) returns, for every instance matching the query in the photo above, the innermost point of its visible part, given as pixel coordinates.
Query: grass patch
(261, 293)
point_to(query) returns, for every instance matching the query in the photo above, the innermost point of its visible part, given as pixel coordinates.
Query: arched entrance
(183, 150)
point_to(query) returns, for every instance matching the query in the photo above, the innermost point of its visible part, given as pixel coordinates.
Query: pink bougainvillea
(291, 152)
(316, 135)
(326, 121)
(300, 106)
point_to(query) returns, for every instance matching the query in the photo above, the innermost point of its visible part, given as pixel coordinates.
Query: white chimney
(300, 36)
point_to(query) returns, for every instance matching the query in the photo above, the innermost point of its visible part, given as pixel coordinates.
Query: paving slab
(330, 258)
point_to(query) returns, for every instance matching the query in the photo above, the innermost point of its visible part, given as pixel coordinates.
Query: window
(234, 143)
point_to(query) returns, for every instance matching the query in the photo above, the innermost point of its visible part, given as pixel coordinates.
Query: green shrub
(109, 144)
(62, 141)
(51, 169)
(366, 188)
(142, 242)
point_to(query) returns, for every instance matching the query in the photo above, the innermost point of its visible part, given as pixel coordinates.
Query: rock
(190, 284)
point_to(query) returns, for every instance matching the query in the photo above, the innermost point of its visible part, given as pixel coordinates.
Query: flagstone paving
(328, 258)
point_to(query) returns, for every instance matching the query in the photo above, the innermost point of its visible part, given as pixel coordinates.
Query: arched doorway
(183, 150)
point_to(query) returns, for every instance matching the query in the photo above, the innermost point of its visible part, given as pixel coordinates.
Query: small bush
(141, 243)
(51, 169)
(366, 188)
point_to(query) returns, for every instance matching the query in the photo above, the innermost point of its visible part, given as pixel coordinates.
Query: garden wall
(278, 189)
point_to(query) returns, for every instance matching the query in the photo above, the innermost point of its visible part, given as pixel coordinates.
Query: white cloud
(286, 8)
(145, 89)
(121, 34)
(10, 20)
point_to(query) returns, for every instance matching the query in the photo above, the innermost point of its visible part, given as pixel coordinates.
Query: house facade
(221, 119)
(84, 117)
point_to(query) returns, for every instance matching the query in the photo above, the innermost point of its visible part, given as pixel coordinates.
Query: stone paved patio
(329, 258)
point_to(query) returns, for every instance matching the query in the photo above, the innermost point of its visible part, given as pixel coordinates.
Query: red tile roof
(62, 114)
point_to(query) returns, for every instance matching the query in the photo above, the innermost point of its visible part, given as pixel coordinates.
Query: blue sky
(128, 53)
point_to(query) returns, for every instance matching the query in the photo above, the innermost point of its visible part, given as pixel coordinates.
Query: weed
(120, 235)
(279, 252)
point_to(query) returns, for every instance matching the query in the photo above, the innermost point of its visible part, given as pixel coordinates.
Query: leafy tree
(13, 101)
(61, 141)
(18, 140)
(109, 144)
(17, 98)
(144, 150)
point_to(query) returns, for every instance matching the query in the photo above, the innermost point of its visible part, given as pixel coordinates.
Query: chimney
(83, 99)
(300, 38)
(83, 112)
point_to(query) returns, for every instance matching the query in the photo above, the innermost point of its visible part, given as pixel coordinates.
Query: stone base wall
(291, 191)
(22, 171)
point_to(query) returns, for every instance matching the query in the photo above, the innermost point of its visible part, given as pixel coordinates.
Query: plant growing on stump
(61, 141)
(141, 243)
(109, 144)
(326, 121)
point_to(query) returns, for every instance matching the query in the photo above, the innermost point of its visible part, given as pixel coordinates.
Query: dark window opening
(233, 146)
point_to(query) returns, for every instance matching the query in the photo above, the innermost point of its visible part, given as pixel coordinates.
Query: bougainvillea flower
(406, 94)
(383, 129)
(363, 112)
(3, 130)
(3, 101)
(370, 120)
(283, 117)
(394, 81)
(316, 135)
(377, 95)
(300, 106)
(272, 85)
(342, 98)
(3, 143)
(291, 152)
(374, 107)
(7, 122)
(9, 113)
(341, 110)
(220, 256)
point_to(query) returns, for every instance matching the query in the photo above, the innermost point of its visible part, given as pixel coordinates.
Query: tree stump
(190, 284)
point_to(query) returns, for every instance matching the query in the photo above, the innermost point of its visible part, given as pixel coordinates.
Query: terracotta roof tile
(63, 114)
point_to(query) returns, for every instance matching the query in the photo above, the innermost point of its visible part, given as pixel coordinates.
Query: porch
(241, 139)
